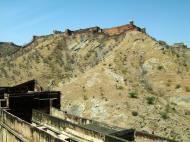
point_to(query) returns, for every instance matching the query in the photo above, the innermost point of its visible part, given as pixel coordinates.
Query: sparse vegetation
(160, 67)
(134, 113)
(133, 94)
(150, 100)
(164, 115)
(187, 88)
(120, 87)
(177, 86)
(161, 42)
(165, 112)
(168, 84)
(85, 97)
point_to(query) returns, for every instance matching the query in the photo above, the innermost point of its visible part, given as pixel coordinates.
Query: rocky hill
(8, 48)
(121, 76)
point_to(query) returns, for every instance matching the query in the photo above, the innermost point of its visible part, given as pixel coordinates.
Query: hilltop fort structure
(124, 28)
(30, 116)
(95, 30)
(110, 31)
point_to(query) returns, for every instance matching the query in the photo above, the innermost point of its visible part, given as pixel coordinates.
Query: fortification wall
(109, 31)
(121, 29)
(19, 130)
(92, 29)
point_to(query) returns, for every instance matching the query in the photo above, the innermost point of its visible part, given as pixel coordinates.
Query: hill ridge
(128, 78)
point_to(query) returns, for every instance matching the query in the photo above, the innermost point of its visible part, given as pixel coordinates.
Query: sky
(167, 20)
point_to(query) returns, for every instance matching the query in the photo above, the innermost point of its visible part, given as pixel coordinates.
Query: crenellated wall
(109, 31)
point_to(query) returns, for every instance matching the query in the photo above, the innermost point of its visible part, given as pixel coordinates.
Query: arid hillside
(7, 48)
(123, 77)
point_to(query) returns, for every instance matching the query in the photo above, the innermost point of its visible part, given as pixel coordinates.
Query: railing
(63, 125)
(79, 120)
(74, 128)
(24, 129)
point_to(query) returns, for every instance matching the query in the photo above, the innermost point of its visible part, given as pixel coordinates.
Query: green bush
(85, 97)
(150, 100)
(164, 115)
(177, 86)
(133, 94)
(187, 88)
(134, 113)
(160, 67)
(161, 42)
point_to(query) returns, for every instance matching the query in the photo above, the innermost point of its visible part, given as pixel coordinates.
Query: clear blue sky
(167, 20)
